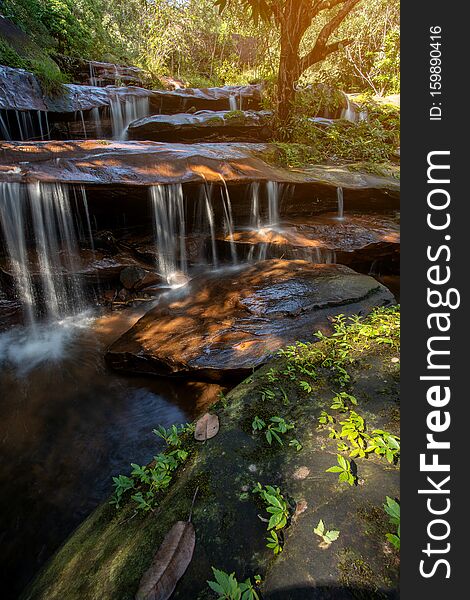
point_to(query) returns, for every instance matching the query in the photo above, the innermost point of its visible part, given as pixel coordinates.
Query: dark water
(67, 425)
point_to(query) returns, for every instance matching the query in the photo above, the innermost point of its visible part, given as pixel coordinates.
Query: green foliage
(228, 588)
(392, 508)
(341, 402)
(296, 444)
(274, 542)
(148, 481)
(343, 468)
(327, 536)
(385, 444)
(277, 426)
(276, 505)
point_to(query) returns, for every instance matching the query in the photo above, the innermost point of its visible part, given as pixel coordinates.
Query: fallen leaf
(206, 427)
(169, 563)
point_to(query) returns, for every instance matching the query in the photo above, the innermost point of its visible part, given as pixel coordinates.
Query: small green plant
(277, 426)
(385, 444)
(341, 402)
(392, 508)
(121, 484)
(228, 588)
(295, 444)
(258, 424)
(305, 386)
(343, 468)
(267, 394)
(274, 542)
(146, 481)
(276, 505)
(325, 418)
(172, 435)
(327, 536)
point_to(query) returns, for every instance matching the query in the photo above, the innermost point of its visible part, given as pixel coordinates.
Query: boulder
(20, 90)
(228, 324)
(203, 125)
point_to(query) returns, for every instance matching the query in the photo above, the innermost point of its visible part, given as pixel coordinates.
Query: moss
(234, 114)
(357, 575)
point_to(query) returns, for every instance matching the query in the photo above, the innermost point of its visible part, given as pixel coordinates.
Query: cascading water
(170, 231)
(205, 221)
(228, 219)
(340, 197)
(126, 111)
(273, 194)
(40, 240)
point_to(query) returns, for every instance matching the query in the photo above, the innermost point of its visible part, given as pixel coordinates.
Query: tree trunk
(289, 73)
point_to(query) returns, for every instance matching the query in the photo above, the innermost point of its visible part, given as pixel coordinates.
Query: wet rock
(136, 278)
(226, 325)
(150, 163)
(222, 98)
(20, 90)
(219, 126)
(130, 277)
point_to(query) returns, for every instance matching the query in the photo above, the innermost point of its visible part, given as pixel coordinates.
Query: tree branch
(322, 48)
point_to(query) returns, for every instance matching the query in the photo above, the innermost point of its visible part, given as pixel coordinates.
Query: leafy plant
(274, 542)
(325, 418)
(228, 588)
(306, 387)
(277, 426)
(172, 435)
(295, 444)
(385, 444)
(341, 402)
(276, 505)
(121, 484)
(392, 508)
(328, 536)
(258, 424)
(343, 468)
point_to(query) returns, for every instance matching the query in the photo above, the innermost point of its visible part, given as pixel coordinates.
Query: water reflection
(66, 426)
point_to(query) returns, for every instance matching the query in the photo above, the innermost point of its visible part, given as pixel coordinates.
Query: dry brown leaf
(206, 427)
(169, 563)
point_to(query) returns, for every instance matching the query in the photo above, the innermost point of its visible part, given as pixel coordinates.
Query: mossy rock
(108, 553)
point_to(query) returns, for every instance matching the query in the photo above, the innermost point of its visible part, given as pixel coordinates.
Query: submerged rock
(227, 324)
(203, 125)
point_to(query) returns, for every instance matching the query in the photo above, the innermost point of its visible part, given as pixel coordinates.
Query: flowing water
(170, 231)
(340, 197)
(124, 112)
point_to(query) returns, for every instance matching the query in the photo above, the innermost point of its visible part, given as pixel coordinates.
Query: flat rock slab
(20, 90)
(230, 323)
(135, 163)
(203, 125)
(103, 162)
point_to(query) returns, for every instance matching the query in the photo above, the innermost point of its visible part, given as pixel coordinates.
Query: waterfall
(255, 217)
(273, 195)
(232, 102)
(273, 191)
(170, 230)
(4, 129)
(340, 196)
(205, 221)
(349, 113)
(123, 113)
(41, 244)
(228, 219)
